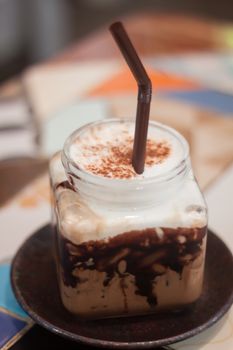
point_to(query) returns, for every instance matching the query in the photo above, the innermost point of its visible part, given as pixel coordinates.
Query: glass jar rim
(73, 168)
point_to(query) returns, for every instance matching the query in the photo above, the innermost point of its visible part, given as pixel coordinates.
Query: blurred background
(60, 68)
(34, 30)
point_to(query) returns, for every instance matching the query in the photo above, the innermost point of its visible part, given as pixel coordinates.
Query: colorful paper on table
(65, 84)
(67, 120)
(14, 322)
(201, 114)
(11, 329)
(7, 298)
(214, 71)
(124, 81)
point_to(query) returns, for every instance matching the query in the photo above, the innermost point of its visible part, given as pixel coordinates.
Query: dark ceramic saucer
(34, 282)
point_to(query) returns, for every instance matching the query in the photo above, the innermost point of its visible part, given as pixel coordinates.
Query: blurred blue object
(10, 327)
(7, 298)
(213, 100)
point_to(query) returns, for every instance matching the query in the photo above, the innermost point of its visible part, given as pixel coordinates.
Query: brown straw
(144, 94)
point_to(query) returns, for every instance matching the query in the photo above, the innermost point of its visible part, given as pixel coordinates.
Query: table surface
(151, 34)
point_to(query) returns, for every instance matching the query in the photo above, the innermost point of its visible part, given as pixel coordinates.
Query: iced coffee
(127, 244)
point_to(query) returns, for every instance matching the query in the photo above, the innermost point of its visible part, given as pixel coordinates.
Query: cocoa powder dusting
(117, 163)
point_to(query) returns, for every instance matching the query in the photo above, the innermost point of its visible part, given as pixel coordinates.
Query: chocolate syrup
(65, 185)
(144, 254)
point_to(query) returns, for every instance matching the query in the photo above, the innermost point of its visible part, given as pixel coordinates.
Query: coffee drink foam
(106, 150)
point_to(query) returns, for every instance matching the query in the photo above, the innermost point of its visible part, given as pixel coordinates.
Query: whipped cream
(105, 149)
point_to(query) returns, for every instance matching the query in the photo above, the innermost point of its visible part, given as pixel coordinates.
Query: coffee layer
(145, 255)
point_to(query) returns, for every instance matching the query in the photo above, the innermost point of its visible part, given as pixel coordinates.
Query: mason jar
(127, 246)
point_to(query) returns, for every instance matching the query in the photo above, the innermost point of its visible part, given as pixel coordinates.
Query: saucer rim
(109, 343)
